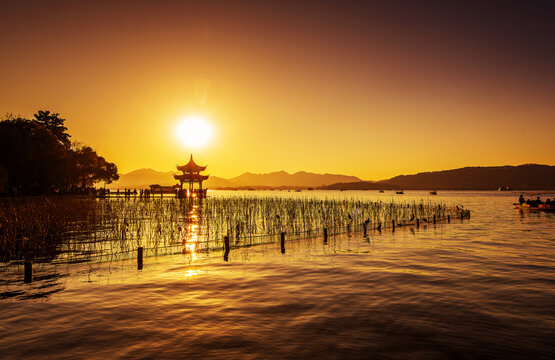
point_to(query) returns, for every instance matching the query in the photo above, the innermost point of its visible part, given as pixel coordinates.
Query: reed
(70, 230)
(35, 227)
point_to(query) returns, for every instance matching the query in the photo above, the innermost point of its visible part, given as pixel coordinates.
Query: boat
(380, 191)
(539, 207)
(399, 192)
(433, 192)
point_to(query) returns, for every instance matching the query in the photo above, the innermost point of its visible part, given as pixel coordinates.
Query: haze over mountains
(281, 179)
(522, 177)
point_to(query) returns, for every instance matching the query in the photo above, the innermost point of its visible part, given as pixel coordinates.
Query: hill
(139, 179)
(522, 177)
(283, 178)
(142, 178)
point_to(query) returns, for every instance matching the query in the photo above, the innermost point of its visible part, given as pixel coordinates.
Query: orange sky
(371, 91)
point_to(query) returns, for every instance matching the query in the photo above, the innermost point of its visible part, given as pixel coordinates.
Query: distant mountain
(298, 179)
(144, 177)
(522, 177)
(215, 182)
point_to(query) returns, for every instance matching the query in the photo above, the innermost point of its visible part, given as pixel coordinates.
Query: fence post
(448, 218)
(28, 277)
(140, 258)
(393, 225)
(365, 228)
(283, 243)
(325, 236)
(226, 247)
(417, 223)
(434, 219)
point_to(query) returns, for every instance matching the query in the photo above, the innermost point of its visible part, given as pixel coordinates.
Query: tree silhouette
(31, 157)
(36, 157)
(90, 168)
(54, 123)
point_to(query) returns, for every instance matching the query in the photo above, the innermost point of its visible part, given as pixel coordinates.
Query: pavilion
(191, 174)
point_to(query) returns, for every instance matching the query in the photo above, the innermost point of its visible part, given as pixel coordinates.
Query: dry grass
(73, 229)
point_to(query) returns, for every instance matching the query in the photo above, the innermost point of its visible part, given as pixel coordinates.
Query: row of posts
(28, 265)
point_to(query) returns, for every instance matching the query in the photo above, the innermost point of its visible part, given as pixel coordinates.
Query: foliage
(54, 123)
(91, 168)
(30, 156)
(35, 157)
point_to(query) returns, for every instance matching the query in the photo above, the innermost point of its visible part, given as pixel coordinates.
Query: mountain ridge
(520, 177)
(142, 178)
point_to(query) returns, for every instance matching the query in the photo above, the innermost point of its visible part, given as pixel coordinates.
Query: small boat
(380, 191)
(399, 192)
(433, 192)
(536, 207)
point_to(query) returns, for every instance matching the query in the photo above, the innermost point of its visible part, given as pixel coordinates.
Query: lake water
(472, 289)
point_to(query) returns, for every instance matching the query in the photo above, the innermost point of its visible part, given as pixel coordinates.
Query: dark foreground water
(481, 288)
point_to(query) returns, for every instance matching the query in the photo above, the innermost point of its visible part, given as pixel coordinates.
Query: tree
(31, 157)
(54, 123)
(90, 168)
(36, 157)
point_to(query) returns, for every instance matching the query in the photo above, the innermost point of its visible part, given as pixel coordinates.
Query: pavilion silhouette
(191, 174)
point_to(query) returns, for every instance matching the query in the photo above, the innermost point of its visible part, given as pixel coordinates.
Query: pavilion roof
(191, 167)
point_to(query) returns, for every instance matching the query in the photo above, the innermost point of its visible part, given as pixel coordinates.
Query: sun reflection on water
(191, 239)
(190, 273)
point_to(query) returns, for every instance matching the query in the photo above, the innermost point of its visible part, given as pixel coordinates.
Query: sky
(371, 89)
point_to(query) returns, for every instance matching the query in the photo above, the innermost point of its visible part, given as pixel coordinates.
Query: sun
(193, 131)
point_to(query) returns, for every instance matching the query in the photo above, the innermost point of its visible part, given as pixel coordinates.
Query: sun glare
(193, 131)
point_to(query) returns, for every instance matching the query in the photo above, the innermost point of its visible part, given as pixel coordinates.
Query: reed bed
(34, 227)
(75, 230)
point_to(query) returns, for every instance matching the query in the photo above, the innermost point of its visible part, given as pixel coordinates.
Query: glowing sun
(193, 131)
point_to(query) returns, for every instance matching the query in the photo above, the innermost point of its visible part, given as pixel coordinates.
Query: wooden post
(283, 243)
(365, 228)
(28, 277)
(325, 236)
(140, 258)
(226, 247)
(417, 223)
(448, 218)
(462, 217)
(393, 225)
(379, 226)
(434, 219)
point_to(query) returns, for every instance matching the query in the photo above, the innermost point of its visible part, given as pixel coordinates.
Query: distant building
(191, 174)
